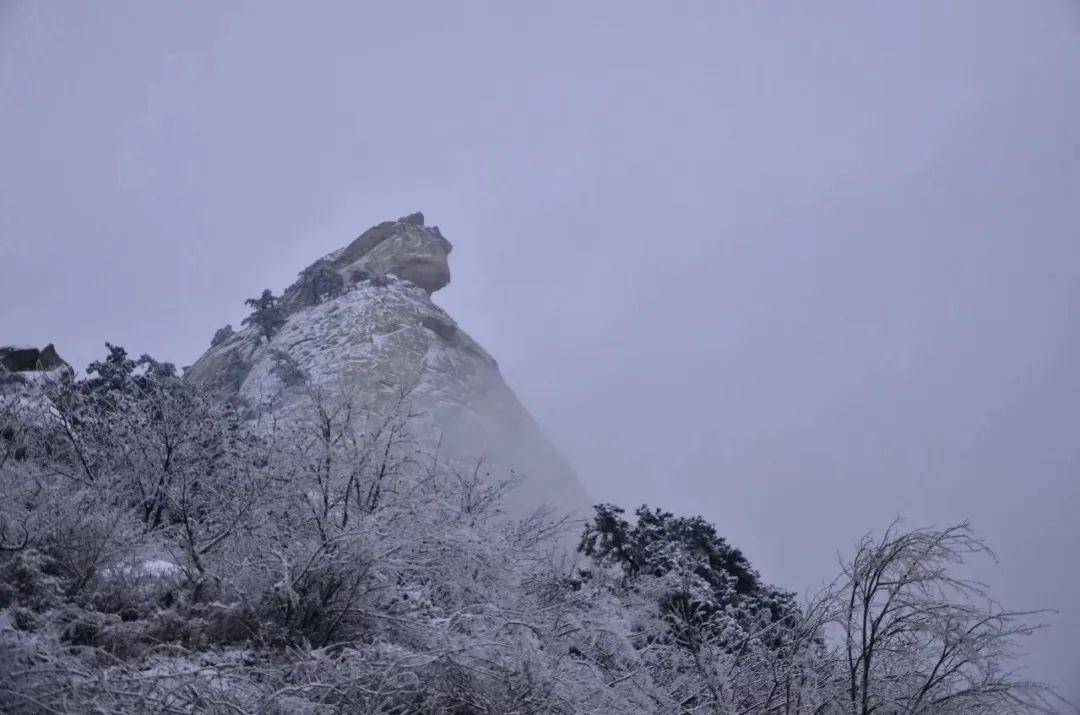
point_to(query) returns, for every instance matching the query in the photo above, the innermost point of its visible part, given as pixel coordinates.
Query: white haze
(799, 269)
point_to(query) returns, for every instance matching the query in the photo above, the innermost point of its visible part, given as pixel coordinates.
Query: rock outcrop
(23, 359)
(20, 366)
(360, 323)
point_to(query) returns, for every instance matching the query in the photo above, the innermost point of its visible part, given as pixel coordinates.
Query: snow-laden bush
(160, 554)
(150, 537)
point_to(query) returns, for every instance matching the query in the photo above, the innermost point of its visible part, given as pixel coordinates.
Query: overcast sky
(798, 269)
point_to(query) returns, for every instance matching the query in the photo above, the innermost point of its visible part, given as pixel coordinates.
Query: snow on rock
(159, 567)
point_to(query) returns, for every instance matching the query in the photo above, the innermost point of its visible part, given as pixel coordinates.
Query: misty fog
(798, 269)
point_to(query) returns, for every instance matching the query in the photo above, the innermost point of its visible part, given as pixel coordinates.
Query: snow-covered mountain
(361, 325)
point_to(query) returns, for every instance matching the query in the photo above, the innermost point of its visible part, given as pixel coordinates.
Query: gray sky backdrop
(798, 267)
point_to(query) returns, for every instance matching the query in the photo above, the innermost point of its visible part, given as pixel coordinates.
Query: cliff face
(360, 324)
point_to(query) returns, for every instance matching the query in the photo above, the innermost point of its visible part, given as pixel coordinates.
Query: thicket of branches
(160, 553)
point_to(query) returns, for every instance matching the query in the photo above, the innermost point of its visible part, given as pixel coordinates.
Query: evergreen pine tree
(266, 314)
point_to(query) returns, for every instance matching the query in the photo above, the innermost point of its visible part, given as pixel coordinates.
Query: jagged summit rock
(360, 325)
(405, 248)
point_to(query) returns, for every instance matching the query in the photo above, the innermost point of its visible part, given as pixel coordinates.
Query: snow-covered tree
(916, 637)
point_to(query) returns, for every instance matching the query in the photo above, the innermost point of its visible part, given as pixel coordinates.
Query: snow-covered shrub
(361, 276)
(221, 335)
(317, 283)
(158, 553)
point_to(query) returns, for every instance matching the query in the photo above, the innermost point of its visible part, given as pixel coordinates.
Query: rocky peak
(405, 248)
(360, 325)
